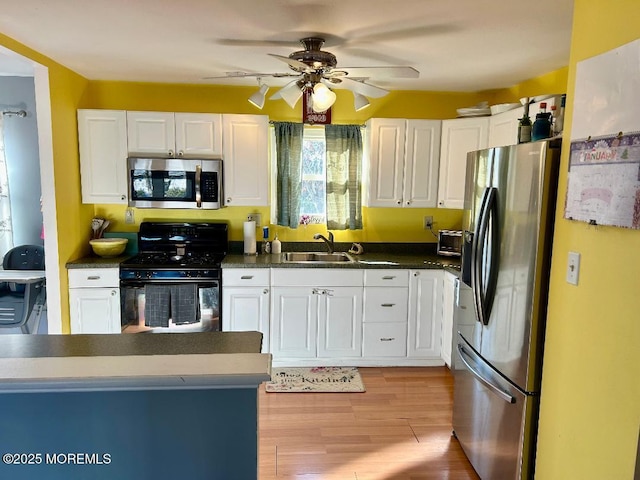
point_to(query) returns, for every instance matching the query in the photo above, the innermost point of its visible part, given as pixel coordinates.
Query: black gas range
(174, 282)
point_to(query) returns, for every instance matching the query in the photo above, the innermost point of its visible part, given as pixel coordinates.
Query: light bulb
(322, 98)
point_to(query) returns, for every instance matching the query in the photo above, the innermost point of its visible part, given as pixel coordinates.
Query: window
(313, 198)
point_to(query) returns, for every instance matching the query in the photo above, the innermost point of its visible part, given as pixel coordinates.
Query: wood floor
(399, 429)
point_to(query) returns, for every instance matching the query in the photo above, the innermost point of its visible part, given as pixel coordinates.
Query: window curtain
(289, 172)
(6, 229)
(344, 177)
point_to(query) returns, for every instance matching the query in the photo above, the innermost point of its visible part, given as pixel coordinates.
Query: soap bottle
(266, 248)
(276, 246)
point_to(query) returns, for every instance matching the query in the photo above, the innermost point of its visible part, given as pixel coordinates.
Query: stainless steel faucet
(328, 241)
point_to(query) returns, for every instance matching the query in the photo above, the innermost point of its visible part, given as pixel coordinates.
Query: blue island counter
(138, 406)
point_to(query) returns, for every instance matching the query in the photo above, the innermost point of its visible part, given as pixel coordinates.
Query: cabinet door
(422, 158)
(94, 310)
(386, 161)
(459, 137)
(198, 135)
(246, 153)
(294, 322)
(246, 309)
(340, 322)
(151, 133)
(503, 128)
(448, 307)
(425, 313)
(102, 136)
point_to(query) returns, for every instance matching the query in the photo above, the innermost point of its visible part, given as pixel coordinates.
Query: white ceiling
(456, 45)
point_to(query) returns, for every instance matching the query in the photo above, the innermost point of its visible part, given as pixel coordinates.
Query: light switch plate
(257, 217)
(128, 216)
(573, 268)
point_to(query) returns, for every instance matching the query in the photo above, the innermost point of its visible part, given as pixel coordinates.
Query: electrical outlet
(573, 268)
(257, 217)
(428, 222)
(128, 216)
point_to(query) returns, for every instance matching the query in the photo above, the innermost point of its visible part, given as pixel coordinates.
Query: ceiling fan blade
(358, 87)
(382, 72)
(295, 64)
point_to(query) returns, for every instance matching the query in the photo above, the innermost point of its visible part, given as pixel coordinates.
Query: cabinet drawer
(94, 277)
(386, 304)
(384, 340)
(245, 277)
(317, 277)
(386, 278)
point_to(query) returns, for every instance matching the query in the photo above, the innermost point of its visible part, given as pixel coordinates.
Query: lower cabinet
(94, 300)
(245, 301)
(425, 313)
(333, 316)
(322, 319)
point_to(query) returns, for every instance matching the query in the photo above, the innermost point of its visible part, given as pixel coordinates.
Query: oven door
(174, 183)
(139, 302)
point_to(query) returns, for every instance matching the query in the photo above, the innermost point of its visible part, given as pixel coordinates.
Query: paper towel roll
(250, 237)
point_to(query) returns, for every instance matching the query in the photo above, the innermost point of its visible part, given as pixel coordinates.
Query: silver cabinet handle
(246, 277)
(388, 277)
(387, 339)
(387, 304)
(171, 153)
(93, 277)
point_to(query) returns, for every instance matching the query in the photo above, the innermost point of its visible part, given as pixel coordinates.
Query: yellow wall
(590, 408)
(66, 88)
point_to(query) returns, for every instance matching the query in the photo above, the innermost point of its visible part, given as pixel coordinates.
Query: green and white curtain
(344, 177)
(289, 172)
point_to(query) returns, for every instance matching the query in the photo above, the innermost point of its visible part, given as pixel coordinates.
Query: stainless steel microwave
(175, 183)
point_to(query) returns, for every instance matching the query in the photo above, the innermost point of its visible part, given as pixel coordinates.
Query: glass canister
(542, 126)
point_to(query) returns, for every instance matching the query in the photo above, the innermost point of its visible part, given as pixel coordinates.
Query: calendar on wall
(604, 164)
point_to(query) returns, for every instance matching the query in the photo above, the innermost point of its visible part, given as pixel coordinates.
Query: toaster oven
(450, 243)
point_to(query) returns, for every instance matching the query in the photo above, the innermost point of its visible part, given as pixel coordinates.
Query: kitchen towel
(249, 237)
(184, 303)
(156, 305)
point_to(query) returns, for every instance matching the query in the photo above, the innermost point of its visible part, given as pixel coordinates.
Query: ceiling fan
(315, 69)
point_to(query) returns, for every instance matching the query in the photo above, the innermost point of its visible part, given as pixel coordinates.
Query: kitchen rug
(315, 380)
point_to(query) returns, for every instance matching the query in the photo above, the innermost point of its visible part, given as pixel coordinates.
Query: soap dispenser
(276, 246)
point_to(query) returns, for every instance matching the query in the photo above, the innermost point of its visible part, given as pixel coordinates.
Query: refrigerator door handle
(492, 278)
(494, 388)
(477, 257)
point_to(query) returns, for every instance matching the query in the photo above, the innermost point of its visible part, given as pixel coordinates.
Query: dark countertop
(87, 345)
(62, 363)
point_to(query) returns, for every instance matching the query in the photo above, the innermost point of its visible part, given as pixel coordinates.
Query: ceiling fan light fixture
(360, 102)
(290, 93)
(322, 98)
(258, 98)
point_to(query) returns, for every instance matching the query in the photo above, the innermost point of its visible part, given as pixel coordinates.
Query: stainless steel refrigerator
(510, 195)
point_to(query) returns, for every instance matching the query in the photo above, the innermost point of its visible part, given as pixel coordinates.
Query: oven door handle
(198, 193)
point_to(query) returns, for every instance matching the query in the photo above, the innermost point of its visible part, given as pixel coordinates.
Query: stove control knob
(149, 274)
(138, 275)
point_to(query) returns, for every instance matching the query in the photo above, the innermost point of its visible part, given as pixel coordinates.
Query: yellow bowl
(108, 247)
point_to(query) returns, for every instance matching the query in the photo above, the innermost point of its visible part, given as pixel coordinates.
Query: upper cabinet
(403, 162)
(246, 158)
(167, 134)
(503, 128)
(102, 136)
(459, 136)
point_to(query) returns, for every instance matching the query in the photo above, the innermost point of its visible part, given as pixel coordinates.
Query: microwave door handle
(198, 193)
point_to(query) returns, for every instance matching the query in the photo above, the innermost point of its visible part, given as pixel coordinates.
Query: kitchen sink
(317, 257)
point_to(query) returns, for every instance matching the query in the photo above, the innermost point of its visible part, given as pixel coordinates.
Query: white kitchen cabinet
(403, 162)
(386, 296)
(94, 300)
(102, 136)
(168, 134)
(316, 315)
(425, 313)
(448, 310)
(246, 158)
(246, 301)
(459, 136)
(503, 128)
